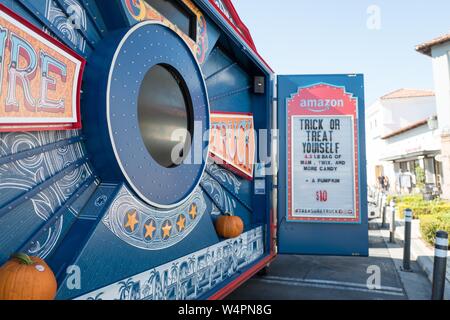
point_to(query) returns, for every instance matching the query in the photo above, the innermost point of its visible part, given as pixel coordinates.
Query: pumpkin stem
(23, 258)
(228, 214)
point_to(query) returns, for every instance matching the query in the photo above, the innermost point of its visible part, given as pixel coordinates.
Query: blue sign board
(322, 180)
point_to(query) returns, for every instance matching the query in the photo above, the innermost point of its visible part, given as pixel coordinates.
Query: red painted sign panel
(323, 155)
(232, 142)
(141, 10)
(40, 78)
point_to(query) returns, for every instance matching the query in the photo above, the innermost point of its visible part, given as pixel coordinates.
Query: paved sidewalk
(338, 278)
(417, 287)
(420, 251)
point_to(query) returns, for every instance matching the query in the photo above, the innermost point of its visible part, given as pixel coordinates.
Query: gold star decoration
(132, 220)
(181, 223)
(166, 229)
(149, 230)
(193, 211)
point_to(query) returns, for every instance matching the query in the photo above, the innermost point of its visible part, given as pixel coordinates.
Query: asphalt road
(292, 277)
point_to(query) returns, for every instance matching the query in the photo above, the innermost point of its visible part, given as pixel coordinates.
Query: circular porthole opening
(165, 115)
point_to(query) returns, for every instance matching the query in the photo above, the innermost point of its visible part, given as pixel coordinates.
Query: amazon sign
(40, 78)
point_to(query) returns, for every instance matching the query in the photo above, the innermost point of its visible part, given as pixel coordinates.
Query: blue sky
(330, 36)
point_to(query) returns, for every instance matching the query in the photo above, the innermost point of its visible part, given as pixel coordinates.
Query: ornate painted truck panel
(92, 92)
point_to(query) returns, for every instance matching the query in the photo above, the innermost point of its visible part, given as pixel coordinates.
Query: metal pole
(440, 265)
(392, 223)
(407, 242)
(275, 153)
(379, 202)
(383, 212)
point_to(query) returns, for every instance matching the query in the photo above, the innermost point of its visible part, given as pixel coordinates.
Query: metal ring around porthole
(149, 50)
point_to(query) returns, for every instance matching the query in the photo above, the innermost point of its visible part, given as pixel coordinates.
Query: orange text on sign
(232, 142)
(38, 79)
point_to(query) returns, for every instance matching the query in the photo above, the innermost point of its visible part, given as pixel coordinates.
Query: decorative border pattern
(189, 277)
(148, 228)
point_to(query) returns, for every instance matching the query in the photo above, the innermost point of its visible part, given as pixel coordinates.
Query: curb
(422, 254)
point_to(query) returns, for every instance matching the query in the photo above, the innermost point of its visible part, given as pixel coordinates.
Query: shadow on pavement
(294, 277)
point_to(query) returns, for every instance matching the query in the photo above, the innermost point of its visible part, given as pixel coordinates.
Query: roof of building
(412, 155)
(425, 48)
(405, 129)
(407, 93)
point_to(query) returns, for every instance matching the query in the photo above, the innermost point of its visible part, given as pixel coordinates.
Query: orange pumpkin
(27, 278)
(229, 226)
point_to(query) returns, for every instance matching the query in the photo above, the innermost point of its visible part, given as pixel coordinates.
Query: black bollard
(383, 212)
(392, 223)
(407, 242)
(440, 265)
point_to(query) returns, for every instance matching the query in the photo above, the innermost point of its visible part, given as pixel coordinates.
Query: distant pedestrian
(406, 182)
(386, 184)
(381, 182)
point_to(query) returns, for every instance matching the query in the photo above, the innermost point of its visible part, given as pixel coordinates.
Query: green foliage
(389, 198)
(440, 208)
(418, 209)
(420, 177)
(434, 215)
(419, 206)
(430, 224)
(411, 198)
(405, 199)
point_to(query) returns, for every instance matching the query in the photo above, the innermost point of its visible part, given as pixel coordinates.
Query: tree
(420, 178)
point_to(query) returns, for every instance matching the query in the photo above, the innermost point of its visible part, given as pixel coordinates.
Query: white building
(439, 51)
(401, 137)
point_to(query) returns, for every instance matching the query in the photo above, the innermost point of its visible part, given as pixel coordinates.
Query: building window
(403, 166)
(179, 14)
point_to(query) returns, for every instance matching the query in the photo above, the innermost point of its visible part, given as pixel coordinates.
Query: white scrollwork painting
(68, 24)
(215, 189)
(18, 177)
(225, 176)
(189, 277)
